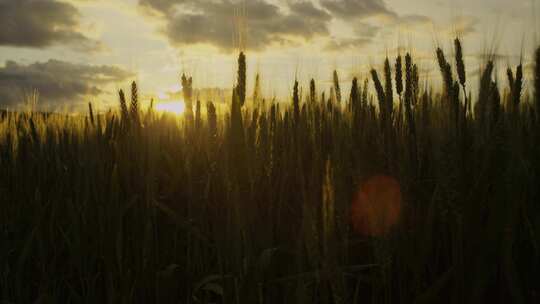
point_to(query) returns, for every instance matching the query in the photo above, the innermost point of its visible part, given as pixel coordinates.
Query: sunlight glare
(176, 107)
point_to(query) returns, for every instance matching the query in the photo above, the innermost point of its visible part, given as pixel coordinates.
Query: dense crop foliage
(402, 196)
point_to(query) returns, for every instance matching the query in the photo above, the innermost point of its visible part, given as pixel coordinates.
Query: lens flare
(377, 206)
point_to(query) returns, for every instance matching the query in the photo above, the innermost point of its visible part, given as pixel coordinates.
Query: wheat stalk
(134, 102)
(462, 75)
(389, 94)
(337, 88)
(123, 105)
(187, 90)
(380, 94)
(354, 99)
(241, 85)
(399, 76)
(446, 72)
(312, 92)
(91, 113)
(296, 102)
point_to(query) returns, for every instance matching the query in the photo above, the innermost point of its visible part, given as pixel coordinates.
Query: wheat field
(386, 191)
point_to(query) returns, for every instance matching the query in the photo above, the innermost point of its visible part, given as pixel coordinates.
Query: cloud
(356, 9)
(308, 9)
(42, 23)
(366, 30)
(160, 5)
(211, 22)
(356, 12)
(57, 82)
(275, 22)
(346, 44)
(465, 25)
(363, 35)
(461, 26)
(412, 21)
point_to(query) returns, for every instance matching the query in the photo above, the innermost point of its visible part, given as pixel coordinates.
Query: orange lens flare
(376, 206)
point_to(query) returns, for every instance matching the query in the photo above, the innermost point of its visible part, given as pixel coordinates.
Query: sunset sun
(175, 107)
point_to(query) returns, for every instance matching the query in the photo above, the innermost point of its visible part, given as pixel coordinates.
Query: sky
(71, 52)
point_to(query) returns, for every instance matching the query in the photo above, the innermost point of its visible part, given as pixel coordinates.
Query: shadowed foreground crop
(400, 196)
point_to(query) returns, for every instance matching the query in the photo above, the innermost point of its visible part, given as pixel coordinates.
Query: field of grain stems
(281, 202)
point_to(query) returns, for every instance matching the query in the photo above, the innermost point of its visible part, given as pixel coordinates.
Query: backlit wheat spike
(446, 72)
(296, 102)
(462, 75)
(198, 120)
(332, 98)
(460, 64)
(518, 85)
(399, 75)
(399, 90)
(511, 80)
(123, 105)
(482, 107)
(354, 99)
(365, 93)
(312, 92)
(380, 95)
(337, 88)
(273, 117)
(134, 101)
(212, 119)
(409, 91)
(151, 106)
(389, 92)
(495, 103)
(187, 90)
(241, 81)
(257, 90)
(91, 113)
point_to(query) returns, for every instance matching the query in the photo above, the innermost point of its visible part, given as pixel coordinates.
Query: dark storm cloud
(41, 23)
(56, 82)
(207, 21)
